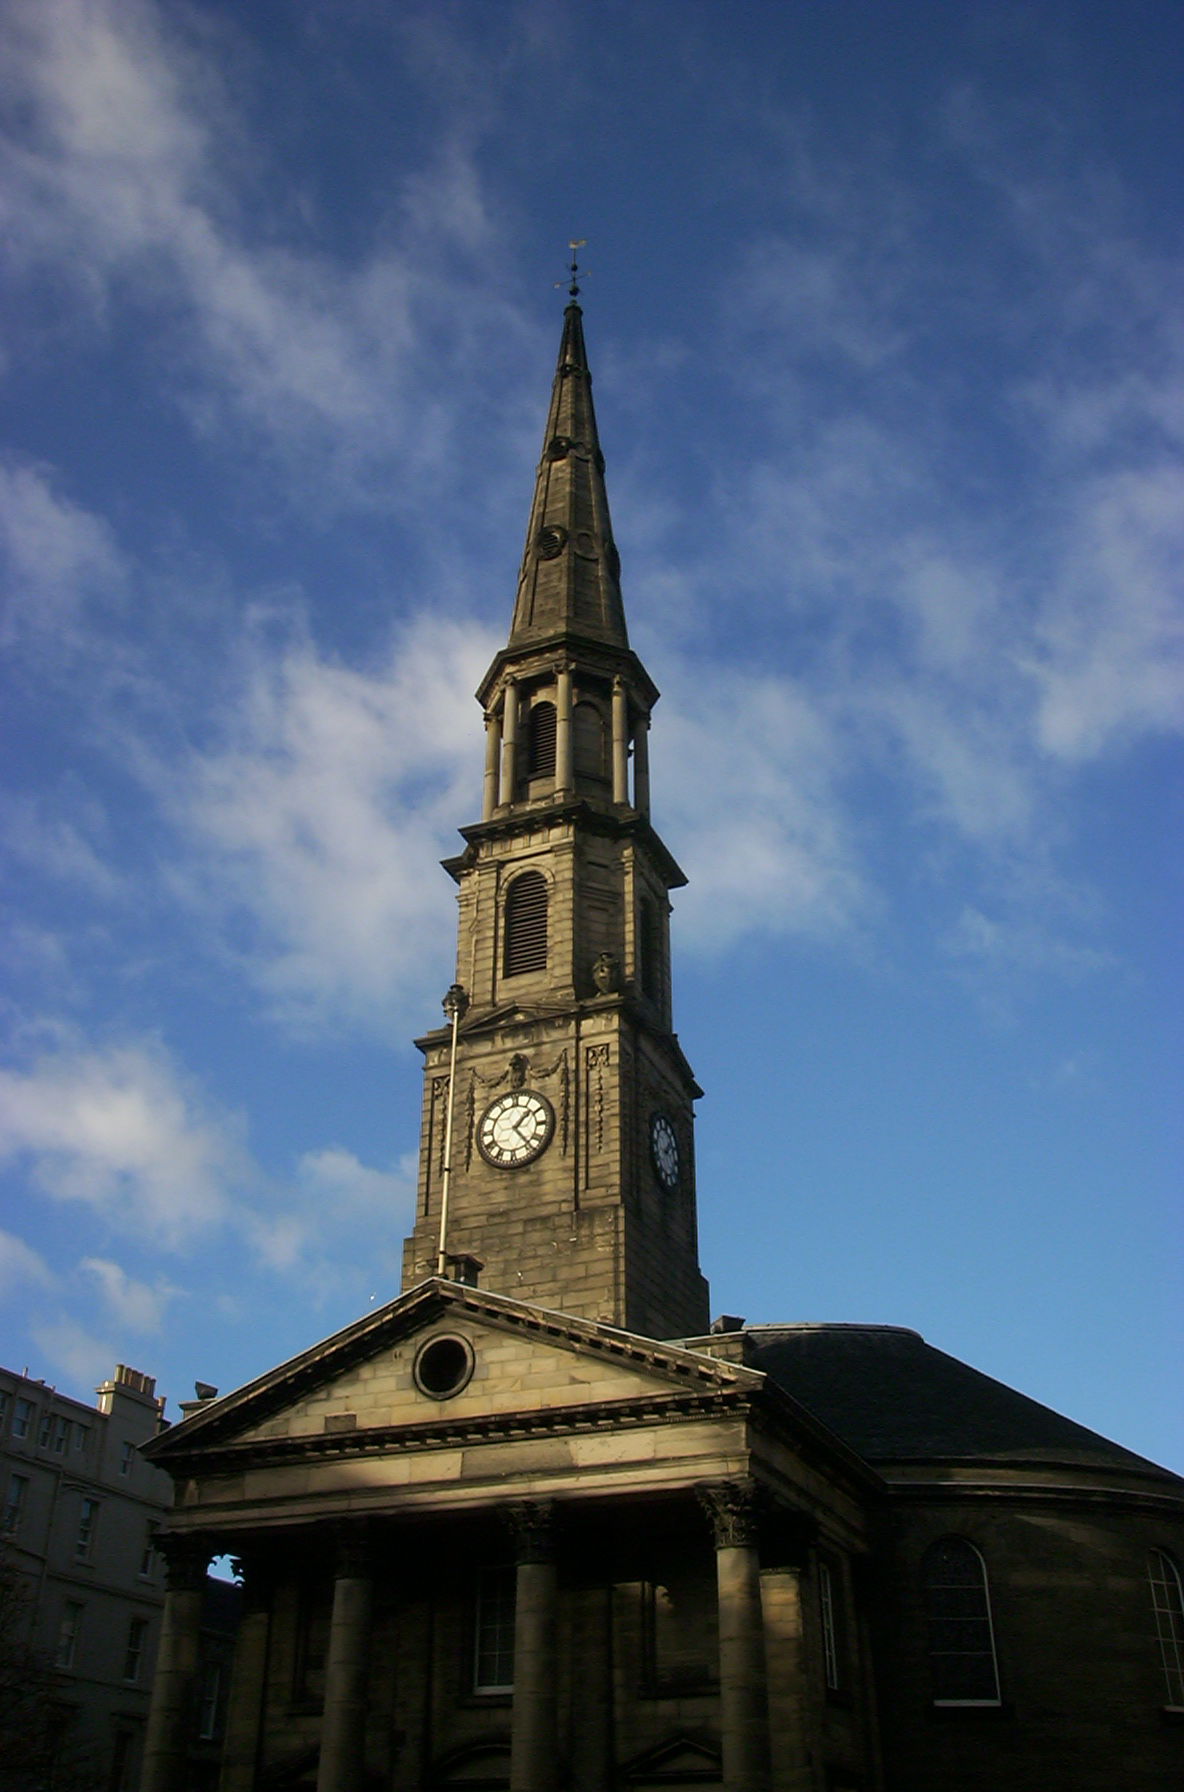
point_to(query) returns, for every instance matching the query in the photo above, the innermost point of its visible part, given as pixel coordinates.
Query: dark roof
(894, 1398)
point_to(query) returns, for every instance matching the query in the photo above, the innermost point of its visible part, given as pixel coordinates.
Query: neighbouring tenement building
(82, 1584)
(538, 1523)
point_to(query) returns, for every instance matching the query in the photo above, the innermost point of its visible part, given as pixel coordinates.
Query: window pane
(493, 1669)
(1168, 1607)
(960, 1637)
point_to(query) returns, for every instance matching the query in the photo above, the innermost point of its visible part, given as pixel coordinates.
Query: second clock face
(664, 1150)
(515, 1129)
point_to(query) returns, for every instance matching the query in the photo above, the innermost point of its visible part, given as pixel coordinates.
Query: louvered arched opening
(961, 1635)
(540, 742)
(526, 925)
(588, 744)
(650, 953)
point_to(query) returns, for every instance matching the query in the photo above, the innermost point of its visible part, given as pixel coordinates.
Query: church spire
(570, 579)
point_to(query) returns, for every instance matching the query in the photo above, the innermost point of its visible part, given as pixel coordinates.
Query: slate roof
(894, 1398)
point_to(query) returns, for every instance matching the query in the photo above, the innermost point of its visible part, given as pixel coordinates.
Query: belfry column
(563, 779)
(743, 1698)
(620, 742)
(174, 1687)
(509, 743)
(244, 1712)
(343, 1727)
(534, 1739)
(493, 753)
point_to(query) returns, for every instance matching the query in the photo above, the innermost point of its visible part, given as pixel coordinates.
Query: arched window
(649, 927)
(588, 743)
(961, 1636)
(540, 748)
(1168, 1606)
(526, 924)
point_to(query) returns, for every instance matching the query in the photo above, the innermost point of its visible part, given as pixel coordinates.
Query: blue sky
(884, 313)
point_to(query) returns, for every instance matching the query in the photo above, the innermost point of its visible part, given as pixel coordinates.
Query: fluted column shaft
(534, 1739)
(343, 1726)
(174, 1686)
(244, 1710)
(743, 1697)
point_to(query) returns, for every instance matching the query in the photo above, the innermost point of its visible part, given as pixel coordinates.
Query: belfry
(572, 1179)
(535, 1523)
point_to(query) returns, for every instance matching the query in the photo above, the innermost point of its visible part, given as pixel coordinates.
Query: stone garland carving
(596, 1058)
(440, 1107)
(470, 1118)
(734, 1509)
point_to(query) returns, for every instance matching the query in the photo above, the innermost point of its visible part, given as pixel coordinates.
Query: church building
(539, 1523)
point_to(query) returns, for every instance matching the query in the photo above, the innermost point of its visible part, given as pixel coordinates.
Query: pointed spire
(570, 580)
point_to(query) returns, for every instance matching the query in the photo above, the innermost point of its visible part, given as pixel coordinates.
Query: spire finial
(572, 282)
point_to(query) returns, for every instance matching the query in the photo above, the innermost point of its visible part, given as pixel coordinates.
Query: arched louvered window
(526, 924)
(540, 755)
(649, 927)
(961, 1636)
(1168, 1607)
(588, 742)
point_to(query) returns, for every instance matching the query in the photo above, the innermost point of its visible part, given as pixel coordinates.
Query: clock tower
(559, 1150)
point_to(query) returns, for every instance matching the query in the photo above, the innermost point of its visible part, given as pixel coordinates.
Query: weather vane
(572, 282)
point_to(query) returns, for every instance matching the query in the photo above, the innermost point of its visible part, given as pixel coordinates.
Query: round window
(443, 1367)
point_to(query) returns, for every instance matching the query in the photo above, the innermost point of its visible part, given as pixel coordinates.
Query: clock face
(664, 1150)
(515, 1129)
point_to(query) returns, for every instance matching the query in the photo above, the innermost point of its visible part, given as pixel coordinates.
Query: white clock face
(664, 1147)
(515, 1128)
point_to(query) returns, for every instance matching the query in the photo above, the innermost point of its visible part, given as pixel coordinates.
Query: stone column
(563, 778)
(620, 742)
(743, 1699)
(343, 1726)
(509, 743)
(641, 766)
(171, 1716)
(248, 1680)
(791, 1695)
(534, 1737)
(493, 750)
(592, 1750)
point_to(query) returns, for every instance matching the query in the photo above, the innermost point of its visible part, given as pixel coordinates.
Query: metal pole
(455, 1004)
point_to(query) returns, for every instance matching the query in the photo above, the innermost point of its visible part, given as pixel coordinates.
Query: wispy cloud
(119, 1130)
(314, 816)
(123, 182)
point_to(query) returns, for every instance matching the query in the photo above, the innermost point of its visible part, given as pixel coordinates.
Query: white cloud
(118, 1130)
(54, 557)
(1109, 658)
(130, 1305)
(749, 771)
(21, 1266)
(124, 180)
(335, 1177)
(322, 812)
(77, 1354)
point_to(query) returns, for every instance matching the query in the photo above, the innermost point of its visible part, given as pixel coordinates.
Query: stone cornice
(384, 1440)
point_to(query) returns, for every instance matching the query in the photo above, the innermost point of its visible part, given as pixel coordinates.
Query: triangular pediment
(680, 1760)
(447, 1357)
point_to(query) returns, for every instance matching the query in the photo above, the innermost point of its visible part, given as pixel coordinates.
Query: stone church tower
(532, 1526)
(572, 1175)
